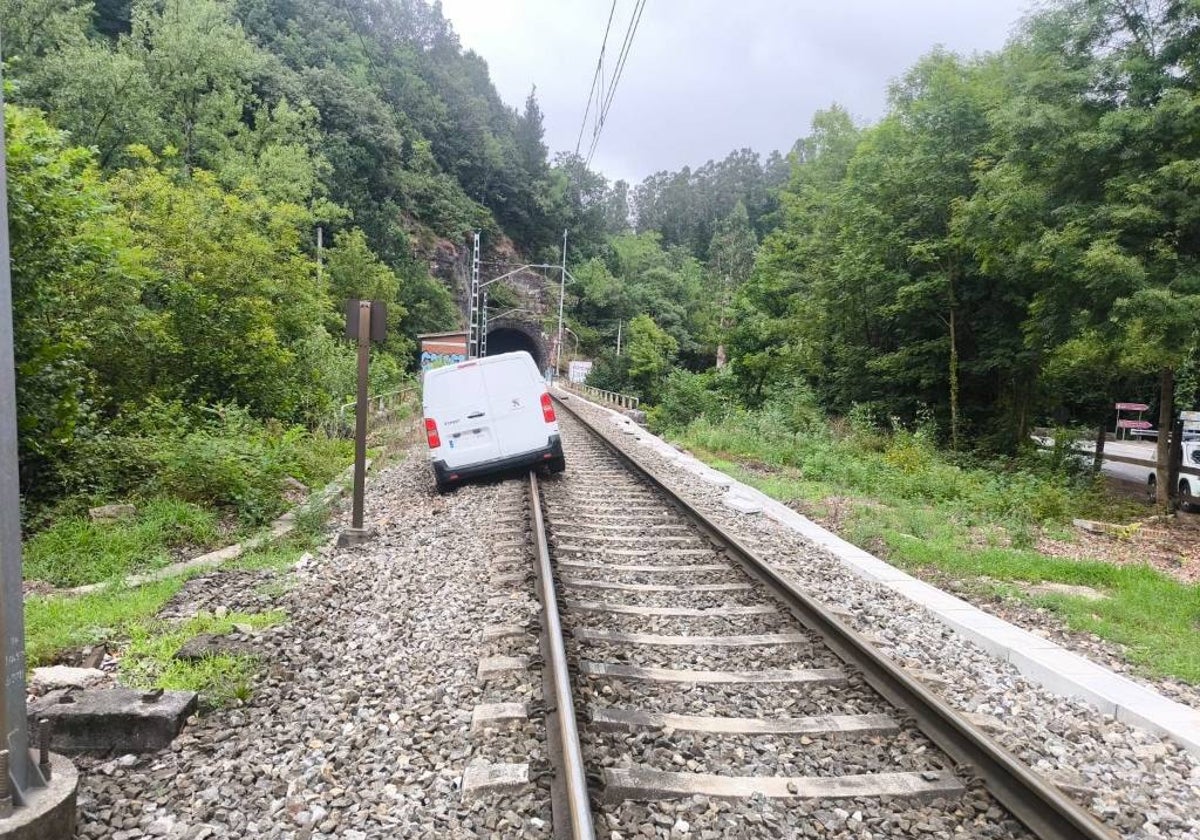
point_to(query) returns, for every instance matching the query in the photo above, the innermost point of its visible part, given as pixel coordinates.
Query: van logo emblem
(516, 403)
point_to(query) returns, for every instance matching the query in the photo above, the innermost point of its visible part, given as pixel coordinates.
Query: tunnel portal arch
(508, 336)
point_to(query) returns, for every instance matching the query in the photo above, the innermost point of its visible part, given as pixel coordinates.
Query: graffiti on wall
(431, 359)
(441, 349)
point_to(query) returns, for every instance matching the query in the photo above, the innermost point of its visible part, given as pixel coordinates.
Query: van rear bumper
(447, 475)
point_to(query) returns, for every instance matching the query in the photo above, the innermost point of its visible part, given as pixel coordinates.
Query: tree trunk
(1101, 438)
(1166, 415)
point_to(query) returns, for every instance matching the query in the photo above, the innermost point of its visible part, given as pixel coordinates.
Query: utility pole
(483, 326)
(28, 796)
(619, 323)
(320, 246)
(12, 607)
(562, 291)
(473, 345)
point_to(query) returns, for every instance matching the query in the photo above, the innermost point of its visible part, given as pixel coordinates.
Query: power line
(635, 18)
(597, 78)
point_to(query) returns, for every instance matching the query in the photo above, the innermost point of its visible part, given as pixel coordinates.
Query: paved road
(1128, 449)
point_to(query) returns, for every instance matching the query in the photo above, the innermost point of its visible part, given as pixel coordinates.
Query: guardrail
(379, 407)
(600, 395)
(1185, 469)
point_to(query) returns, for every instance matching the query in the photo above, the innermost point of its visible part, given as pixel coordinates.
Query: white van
(488, 415)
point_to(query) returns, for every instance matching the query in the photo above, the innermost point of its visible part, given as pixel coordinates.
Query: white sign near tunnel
(577, 371)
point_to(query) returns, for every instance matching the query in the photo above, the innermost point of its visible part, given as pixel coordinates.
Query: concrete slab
(481, 778)
(929, 596)
(351, 537)
(494, 632)
(691, 612)
(619, 670)
(741, 504)
(48, 812)
(112, 719)
(494, 666)
(631, 719)
(54, 677)
(497, 715)
(643, 784)
(581, 583)
(585, 634)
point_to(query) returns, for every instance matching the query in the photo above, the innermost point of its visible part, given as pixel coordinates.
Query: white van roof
(486, 360)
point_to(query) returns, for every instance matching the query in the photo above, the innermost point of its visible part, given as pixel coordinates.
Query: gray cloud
(708, 76)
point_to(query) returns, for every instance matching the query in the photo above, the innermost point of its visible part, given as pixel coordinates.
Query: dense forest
(1015, 242)
(170, 163)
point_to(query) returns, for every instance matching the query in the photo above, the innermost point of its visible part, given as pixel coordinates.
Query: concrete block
(54, 677)
(496, 715)
(494, 632)
(927, 596)
(714, 477)
(481, 777)
(351, 537)
(741, 504)
(48, 812)
(994, 635)
(1064, 673)
(112, 719)
(494, 666)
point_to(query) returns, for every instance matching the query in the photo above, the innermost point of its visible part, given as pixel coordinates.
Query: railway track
(696, 693)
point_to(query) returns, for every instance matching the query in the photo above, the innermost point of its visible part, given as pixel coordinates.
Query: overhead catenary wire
(602, 109)
(597, 79)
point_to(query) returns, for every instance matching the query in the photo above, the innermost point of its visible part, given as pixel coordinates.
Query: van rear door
(457, 399)
(514, 396)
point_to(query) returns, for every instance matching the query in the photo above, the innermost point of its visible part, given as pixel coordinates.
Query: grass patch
(902, 499)
(148, 660)
(57, 623)
(75, 550)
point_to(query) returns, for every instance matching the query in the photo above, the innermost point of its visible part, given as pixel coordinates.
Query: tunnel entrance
(510, 338)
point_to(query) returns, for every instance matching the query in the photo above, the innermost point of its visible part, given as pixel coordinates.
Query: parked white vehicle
(1189, 485)
(489, 415)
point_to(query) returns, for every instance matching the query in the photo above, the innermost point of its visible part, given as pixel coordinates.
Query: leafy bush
(688, 396)
(237, 463)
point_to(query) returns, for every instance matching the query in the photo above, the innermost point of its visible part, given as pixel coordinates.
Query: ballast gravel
(359, 727)
(664, 748)
(1139, 783)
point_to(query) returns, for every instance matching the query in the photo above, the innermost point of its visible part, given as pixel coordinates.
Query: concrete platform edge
(1072, 675)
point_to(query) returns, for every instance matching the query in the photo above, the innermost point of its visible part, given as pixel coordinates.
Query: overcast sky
(705, 77)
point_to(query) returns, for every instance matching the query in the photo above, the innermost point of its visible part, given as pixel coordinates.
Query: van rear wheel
(558, 464)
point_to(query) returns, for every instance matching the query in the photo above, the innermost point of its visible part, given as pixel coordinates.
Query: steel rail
(569, 752)
(1043, 808)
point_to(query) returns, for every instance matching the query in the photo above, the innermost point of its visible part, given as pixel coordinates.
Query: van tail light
(548, 409)
(431, 433)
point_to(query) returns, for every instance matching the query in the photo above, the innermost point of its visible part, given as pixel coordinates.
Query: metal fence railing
(379, 408)
(602, 396)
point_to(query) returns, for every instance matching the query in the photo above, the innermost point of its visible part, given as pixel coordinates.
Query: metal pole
(12, 608)
(562, 291)
(483, 325)
(619, 323)
(360, 427)
(473, 349)
(320, 246)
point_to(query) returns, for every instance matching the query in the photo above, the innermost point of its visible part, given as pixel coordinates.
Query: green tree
(651, 357)
(83, 337)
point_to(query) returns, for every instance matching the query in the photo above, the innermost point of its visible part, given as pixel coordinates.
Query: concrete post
(34, 808)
